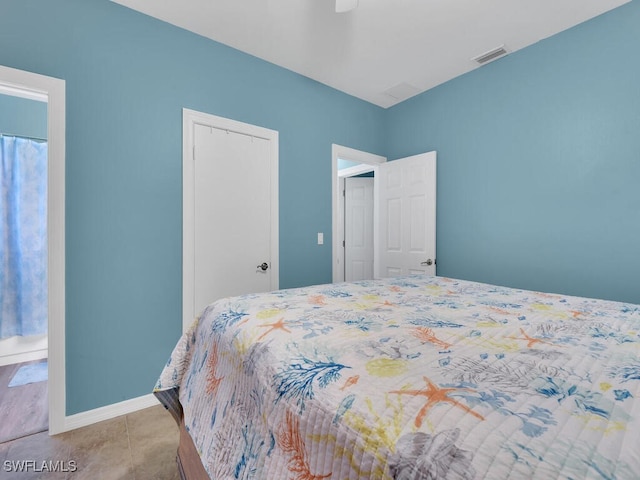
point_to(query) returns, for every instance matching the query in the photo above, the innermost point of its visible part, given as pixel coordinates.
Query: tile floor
(23, 409)
(138, 446)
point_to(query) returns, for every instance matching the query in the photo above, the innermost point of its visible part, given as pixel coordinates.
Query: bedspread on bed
(412, 378)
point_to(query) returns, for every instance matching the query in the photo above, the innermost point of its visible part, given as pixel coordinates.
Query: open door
(406, 204)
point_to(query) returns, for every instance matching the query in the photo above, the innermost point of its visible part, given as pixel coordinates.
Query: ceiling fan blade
(343, 6)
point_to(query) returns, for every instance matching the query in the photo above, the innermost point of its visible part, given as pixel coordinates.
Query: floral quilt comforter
(411, 378)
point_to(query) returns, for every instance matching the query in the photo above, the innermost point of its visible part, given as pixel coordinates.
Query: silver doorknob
(264, 266)
(427, 263)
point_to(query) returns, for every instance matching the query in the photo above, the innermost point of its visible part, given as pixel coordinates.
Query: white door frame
(52, 90)
(191, 118)
(337, 230)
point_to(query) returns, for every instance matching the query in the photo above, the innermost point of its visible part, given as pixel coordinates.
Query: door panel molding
(406, 197)
(358, 250)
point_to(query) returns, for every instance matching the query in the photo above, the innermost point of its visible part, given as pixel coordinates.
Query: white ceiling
(413, 45)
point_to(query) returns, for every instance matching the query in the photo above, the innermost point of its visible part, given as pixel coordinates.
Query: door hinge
(343, 193)
(194, 152)
(343, 244)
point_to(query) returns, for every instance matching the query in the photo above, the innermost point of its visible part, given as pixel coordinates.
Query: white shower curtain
(23, 236)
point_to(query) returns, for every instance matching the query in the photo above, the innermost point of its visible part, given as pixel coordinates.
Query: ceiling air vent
(491, 55)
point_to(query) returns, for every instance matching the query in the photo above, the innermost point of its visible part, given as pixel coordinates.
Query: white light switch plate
(320, 238)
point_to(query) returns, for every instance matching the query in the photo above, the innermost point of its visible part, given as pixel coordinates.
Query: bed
(408, 378)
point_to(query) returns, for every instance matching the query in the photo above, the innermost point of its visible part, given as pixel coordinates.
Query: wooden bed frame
(189, 463)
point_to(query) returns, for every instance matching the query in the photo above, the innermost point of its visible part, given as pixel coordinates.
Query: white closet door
(233, 214)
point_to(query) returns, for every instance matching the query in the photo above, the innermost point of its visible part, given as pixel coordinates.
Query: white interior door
(407, 216)
(358, 228)
(230, 238)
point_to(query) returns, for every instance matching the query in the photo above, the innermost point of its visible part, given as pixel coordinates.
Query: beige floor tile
(101, 451)
(153, 436)
(152, 420)
(103, 472)
(45, 457)
(138, 446)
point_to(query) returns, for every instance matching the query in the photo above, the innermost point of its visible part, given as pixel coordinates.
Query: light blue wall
(127, 79)
(23, 117)
(538, 166)
(539, 162)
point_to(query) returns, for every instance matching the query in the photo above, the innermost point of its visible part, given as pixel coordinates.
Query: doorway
(358, 208)
(31, 86)
(404, 212)
(355, 163)
(23, 262)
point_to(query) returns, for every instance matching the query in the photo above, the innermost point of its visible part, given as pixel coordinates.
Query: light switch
(320, 238)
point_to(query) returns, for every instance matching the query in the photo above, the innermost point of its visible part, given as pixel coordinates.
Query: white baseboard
(23, 357)
(107, 412)
(20, 349)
